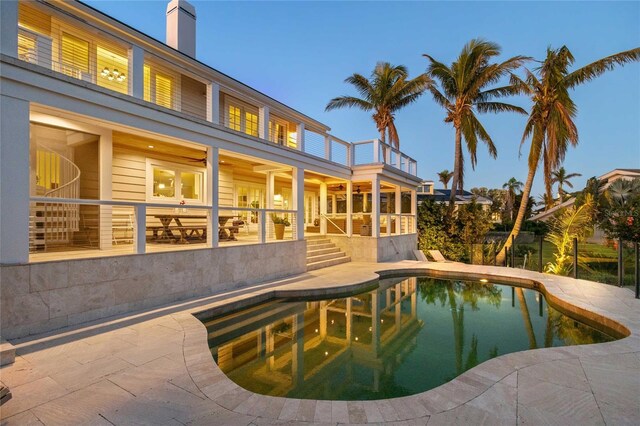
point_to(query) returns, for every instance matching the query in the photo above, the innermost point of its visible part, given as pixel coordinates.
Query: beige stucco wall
(383, 249)
(45, 296)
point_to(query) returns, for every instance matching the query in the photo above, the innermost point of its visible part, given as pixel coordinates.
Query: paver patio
(155, 367)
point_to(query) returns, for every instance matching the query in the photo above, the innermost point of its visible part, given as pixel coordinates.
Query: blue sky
(300, 52)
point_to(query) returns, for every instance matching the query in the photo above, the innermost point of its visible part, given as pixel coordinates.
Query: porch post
(300, 137)
(327, 148)
(375, 206)
(105, 155)
(263, 123)
(398, 210)
(323, 208)
(297, 188)
(136, 72)
(349, 229)
(213, 196)
(213, 103)
(14, 175)
(270, 187)
(9, 25)
(414, 211)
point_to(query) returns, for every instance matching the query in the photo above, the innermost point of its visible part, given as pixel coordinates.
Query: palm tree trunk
(520, 217)
(457, 172)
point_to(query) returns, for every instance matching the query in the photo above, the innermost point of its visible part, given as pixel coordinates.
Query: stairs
(321, 253)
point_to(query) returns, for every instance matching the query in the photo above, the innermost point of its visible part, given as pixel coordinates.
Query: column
(213, 195)
(327, 147)
(300, 136)
(14, 175)
(105, 160)
(9, 25)
(268, 223)
(398, 210)
(136, 72)
(349, 229)
(375, 206)
(375, 322)
(297, 350)
(297, 189)
(213, 103)
(323, 208)
(349, 321)
(414, 211)
(263, 123)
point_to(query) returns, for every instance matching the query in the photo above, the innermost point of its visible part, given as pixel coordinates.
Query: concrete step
(326, 263)
(320, 246)
(317, 241)
(315, 237)
(7, 353)
(328, 256)
(316, 252)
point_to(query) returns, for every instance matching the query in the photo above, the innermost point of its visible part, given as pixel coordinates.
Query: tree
(388, 90)
(463, 91)
(444, 177)
(619, 215)
(561, 177)
(513, 186)
(550, 124)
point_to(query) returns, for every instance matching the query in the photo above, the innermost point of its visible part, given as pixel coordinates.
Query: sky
(300, 52)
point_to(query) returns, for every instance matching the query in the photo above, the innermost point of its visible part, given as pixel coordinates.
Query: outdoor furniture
(5, 394)
(437, 256)
(226, 233)
(178, 233)
(419, 254)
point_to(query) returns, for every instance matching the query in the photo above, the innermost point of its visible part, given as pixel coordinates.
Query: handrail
(74, 181)
(334, 224)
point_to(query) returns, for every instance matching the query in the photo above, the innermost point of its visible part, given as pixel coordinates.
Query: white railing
(397, 224)
(375, 151)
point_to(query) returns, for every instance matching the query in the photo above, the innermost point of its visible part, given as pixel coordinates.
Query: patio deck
(155, 367)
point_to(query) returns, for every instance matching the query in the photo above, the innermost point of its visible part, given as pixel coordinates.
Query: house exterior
(426, 191)
(132, 175)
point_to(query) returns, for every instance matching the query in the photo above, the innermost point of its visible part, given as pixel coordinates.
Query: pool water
(405, 337)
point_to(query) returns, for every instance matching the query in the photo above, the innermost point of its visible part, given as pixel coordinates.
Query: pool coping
(453, 394)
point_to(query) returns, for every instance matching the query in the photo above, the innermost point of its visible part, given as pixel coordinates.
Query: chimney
(181, 27)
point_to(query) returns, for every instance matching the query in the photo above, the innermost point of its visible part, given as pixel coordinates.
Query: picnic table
(166, 231)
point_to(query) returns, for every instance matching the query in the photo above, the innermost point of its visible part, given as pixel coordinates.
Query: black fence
(614, 262)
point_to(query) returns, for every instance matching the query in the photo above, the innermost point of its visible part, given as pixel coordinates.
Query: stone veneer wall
(41, 297)
(383, 249)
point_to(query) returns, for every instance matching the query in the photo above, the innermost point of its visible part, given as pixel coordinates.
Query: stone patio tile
(184, 405)
(511, 380)
(323, 412)
(272, 408)
(567, 373)
(32, 394)
(92, 352)
(557, 402)
(26, 418)
(89, 373)
(467, 415)
(140, 379)
(538, 416)
(372, 412)
(20, 372)
(219, 388)
(232, 398)
(387, 411)
(620, 413)
(339, 412)
(500, 400)
(289, 409)
(357, 413)
(614, 379)
(143, 353)
(251, 405)
(306, 410)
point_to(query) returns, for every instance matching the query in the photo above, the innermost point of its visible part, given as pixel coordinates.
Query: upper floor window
(241, 117)
(74, 55)
(159, 87)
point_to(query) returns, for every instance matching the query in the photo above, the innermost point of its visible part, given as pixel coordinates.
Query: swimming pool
(408, 335)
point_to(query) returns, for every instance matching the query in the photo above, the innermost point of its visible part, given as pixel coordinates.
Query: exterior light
(150, 146)
(356, 338)
(316, 330)
(161, 186)
(484, 280)
(370, 329)
(332, 321)
(326, 354)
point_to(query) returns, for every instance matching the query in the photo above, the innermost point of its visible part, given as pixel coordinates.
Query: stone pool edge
(497, 373)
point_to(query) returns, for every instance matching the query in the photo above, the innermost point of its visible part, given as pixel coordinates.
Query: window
(169, 183)
(252, 196)
(75, 57)
(241, 117)
(113, 69)
(278, 132)
(159, 87)
(27, 49)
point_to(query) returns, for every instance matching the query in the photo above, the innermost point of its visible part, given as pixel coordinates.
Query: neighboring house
(113, 143)
(426, 191)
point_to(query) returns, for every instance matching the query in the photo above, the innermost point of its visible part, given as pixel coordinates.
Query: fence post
(513, 251)
(637, 264)
(262, 228)
(620, 264)
(495, 255)
(575, 258)
(540, 253)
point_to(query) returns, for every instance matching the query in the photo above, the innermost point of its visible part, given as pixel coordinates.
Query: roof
(464, 197)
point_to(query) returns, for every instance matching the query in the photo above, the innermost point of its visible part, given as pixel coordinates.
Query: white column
(9, 25)
(213, 195)
(14, 177)
(375, 207)
(323, 208)
(140, 235)
(105, 167)
(270, 187)
(263, 124)
(297, 189)
(136, 72)
(414, 211)
(398, 210)
(327, 148)
(213, 103)
(349, 229)
(376, 150)
(300, 137)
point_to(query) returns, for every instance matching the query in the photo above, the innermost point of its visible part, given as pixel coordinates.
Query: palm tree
(561, 177)
(444, 177)
(463, 92)
(388, 90)
(513, 186)
(550, 124)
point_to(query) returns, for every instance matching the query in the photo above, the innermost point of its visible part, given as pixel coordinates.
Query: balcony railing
(376, 151)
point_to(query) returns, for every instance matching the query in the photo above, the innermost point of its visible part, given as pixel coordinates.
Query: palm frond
(597, 68)
(348, 102)
(497, 107)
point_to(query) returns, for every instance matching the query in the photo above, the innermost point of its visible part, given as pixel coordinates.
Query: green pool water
(405, 337)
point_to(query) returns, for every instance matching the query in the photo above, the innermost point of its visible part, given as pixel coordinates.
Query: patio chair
(5, 394)
(419, 254)
(437, 256)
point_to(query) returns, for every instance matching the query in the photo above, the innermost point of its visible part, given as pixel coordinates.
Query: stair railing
(333, 223)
